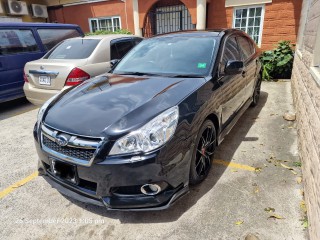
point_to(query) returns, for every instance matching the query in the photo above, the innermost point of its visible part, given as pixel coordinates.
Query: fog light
(150, 189)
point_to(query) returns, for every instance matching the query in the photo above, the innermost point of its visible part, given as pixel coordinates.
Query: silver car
(73, 61)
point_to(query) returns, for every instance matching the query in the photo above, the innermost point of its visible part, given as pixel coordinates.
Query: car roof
(29, 24)
(107, 36)
(208, 33)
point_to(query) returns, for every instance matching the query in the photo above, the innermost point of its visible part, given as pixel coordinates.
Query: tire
(256, 93)
(204, 149)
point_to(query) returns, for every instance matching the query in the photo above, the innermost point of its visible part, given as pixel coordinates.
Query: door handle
(244, 73)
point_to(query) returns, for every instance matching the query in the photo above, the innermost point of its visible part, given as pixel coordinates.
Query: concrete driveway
(252, 192)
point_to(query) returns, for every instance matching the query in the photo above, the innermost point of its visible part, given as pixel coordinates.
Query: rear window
(120, 48)
(136, 41)
(74, 49)
(51, 37)
(17, 41)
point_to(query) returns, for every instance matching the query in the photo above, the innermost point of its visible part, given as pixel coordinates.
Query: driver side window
(231, 52)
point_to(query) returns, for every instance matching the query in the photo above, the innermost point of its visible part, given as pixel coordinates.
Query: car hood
(113, 105)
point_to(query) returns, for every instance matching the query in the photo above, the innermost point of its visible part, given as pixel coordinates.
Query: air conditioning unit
(17, 8)
(39, 11)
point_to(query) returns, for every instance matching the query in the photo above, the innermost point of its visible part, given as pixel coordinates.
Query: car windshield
(187, 56)
(74, 49)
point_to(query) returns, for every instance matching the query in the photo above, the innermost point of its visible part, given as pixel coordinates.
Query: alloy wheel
(205, 150)
(203, 153)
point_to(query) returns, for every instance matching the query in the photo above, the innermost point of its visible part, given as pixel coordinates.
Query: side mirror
(233, 67)
(114, 62)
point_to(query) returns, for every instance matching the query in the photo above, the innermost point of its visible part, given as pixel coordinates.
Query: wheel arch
(215, 120)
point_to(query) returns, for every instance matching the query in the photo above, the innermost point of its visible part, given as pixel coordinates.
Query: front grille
(78, 153)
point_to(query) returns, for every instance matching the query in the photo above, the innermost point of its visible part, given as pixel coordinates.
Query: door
(247, 51)
(18, 46)
(167, 23)
(162, 18)
(233, 86)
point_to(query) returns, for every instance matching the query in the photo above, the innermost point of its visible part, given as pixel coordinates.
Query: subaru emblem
(41, 67)
(61, 140)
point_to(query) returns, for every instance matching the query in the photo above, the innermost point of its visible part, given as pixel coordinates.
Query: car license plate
(45, 80)
(64, 171)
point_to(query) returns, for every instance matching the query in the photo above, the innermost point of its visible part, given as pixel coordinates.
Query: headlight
(149, 137)
(43, 109)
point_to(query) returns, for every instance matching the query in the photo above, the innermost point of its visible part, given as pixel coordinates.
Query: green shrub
(278, 63)
(104, 32)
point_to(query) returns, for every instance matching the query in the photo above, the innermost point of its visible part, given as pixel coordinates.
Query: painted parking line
(233, 165)
(11, 188)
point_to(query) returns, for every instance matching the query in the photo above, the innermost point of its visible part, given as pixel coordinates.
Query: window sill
(237, 3)
(315, 72)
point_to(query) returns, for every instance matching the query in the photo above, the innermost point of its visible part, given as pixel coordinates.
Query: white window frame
(104, 18)
(261, 22)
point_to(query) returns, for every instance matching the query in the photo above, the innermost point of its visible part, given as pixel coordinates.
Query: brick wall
(306, 91)
(218, 16)
(281, 20)
(93, 10)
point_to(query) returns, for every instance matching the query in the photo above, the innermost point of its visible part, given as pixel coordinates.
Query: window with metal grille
(250, 20)
(111, 24)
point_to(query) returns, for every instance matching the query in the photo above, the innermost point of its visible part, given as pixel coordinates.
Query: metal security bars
(164, 19)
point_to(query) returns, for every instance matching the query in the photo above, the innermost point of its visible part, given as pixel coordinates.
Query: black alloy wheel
(256, 93)
(205, 146)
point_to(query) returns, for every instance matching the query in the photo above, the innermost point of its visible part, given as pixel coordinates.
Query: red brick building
(267, 21)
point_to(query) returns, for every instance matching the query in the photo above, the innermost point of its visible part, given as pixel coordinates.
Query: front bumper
(124, 204)
(98, 183)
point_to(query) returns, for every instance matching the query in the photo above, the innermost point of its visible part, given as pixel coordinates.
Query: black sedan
(136, 138)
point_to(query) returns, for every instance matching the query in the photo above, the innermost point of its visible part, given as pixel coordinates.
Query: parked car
(73, 61)
(24, 42)
(135, 138)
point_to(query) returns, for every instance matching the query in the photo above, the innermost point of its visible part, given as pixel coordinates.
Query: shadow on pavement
(225, 151)
(15, 107)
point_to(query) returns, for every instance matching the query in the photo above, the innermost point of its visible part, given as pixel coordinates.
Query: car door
(233, 85)
(247, 52)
